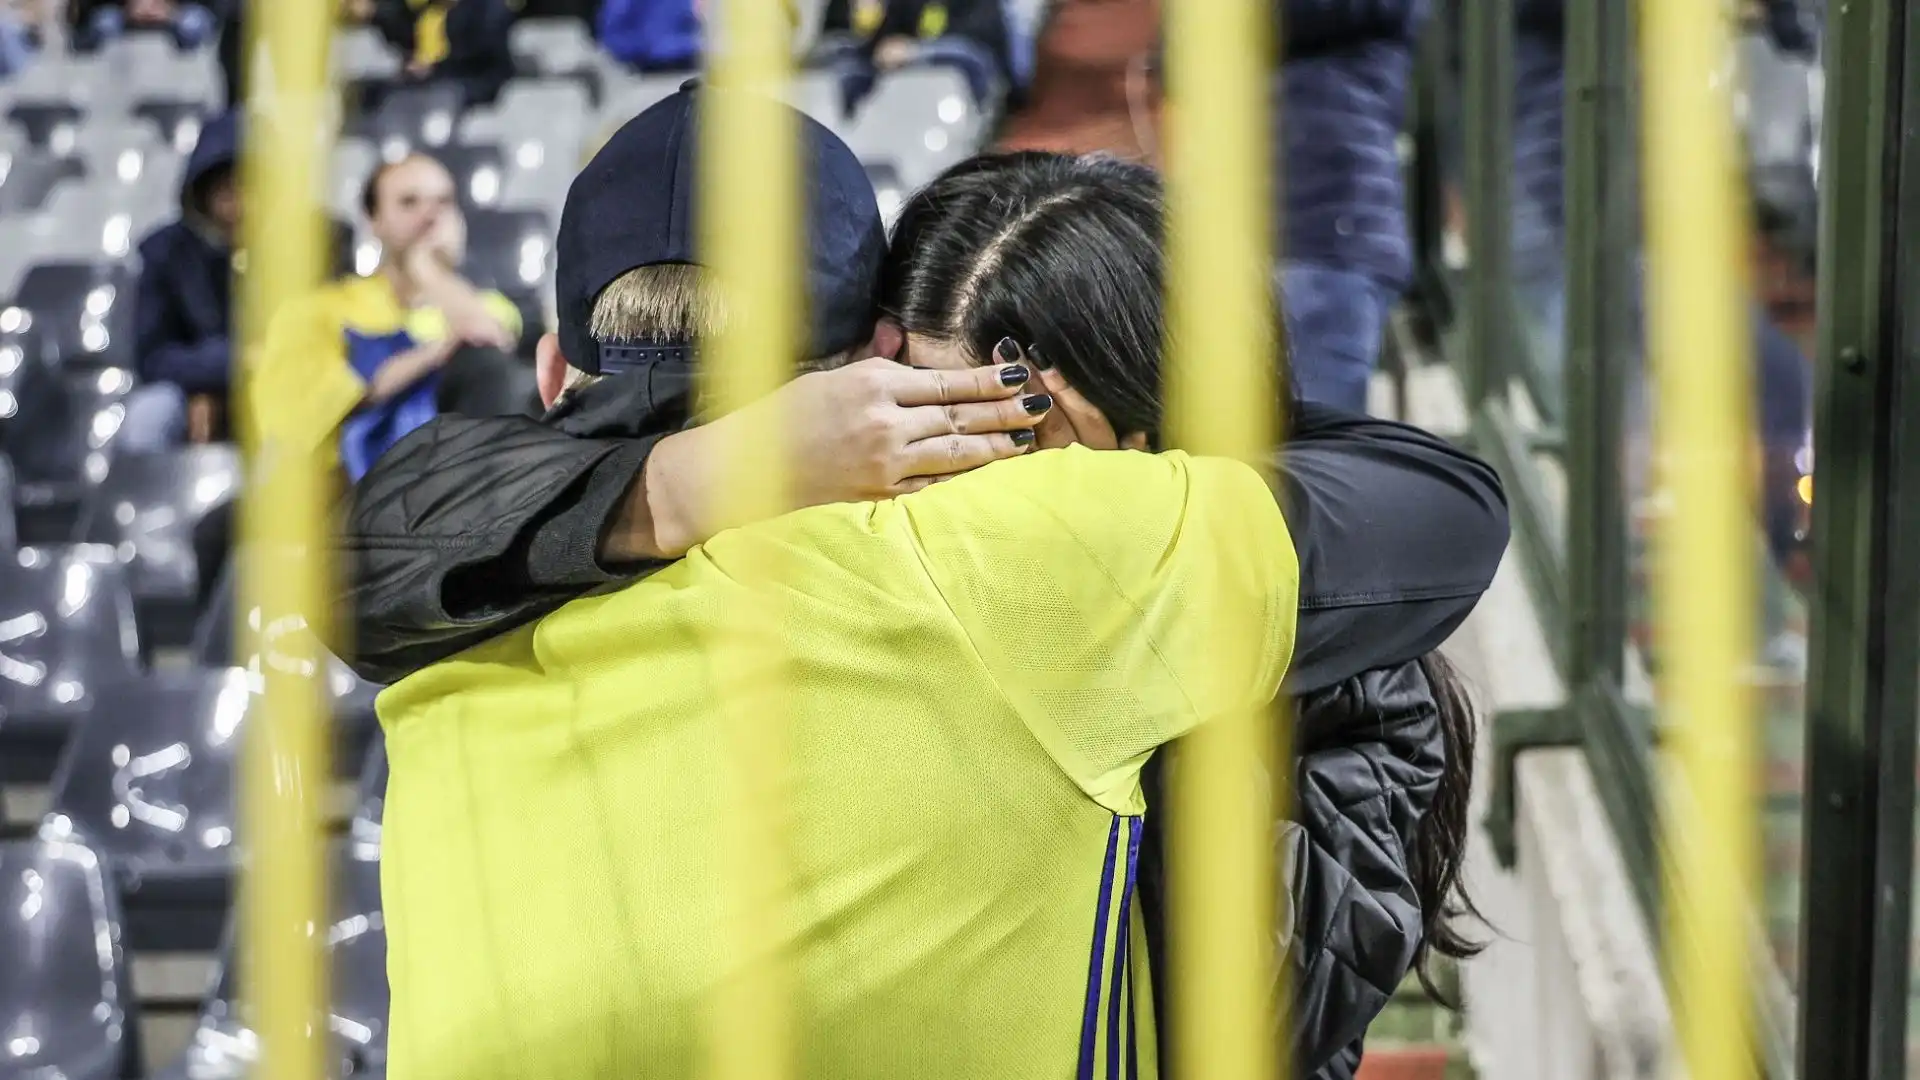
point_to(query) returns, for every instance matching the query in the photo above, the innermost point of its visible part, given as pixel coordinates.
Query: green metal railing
(1577, 550)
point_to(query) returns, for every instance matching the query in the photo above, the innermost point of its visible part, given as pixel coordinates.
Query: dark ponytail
(1440, 841)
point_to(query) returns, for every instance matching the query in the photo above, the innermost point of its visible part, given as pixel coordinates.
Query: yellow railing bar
(288, 137)
(1222, 400)
(749, 212)
(1700, 354)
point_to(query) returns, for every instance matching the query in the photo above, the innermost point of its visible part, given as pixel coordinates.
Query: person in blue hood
(183, 311)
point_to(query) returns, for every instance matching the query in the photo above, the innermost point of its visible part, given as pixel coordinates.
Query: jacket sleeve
(1399, 533)
(468, 528)
(1369, 764)
(163, 352)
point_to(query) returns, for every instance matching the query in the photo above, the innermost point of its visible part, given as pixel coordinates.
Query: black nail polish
(1021, 438)
(1037, 403)
(1016, 375)
(1007, 351)
(1033, 355)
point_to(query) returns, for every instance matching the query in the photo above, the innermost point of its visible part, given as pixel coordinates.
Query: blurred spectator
(969, 35)
(459, 41)
(653, 35)
(371, 358)
(1090, 91)
(191, 25)
(183, 310)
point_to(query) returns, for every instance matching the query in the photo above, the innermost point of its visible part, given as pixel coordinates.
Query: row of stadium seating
(137, 853)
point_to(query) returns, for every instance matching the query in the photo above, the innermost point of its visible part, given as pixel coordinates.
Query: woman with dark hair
(1065, 253)
(1395, 534)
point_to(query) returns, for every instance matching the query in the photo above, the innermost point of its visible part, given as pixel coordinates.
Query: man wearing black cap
(962, 848)
(469, 527)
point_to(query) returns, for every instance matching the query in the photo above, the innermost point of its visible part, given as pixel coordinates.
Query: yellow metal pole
(1223, 400)
(289, 134)
(749, 212)
(1700, 353)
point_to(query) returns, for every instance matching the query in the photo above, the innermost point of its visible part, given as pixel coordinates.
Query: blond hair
(667, 302)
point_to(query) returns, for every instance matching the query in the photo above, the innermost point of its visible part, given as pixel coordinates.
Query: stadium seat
(560, 49)
(222, 1046)
(479, 174)
(349, 698)
(79, 313)
(59, 438)
(169, 519)
(630, 99)
(411, 118)
(151, 777)
(122, 150)
(353, 161)
(149, 66)
(66, 628)
(29, 176)
(821, 95)
(64, 988)
(50, 99)
(923, 119)
(176, 120)
(509, 250)
(361, 55)
(9, 531)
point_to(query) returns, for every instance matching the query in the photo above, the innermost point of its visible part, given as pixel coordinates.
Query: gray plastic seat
(80, 312)
(631, 98)
(353, 161)
(360, 54)
(151, 776)
(923, 119)
(479, 174)
(64, 988)
(509, 250)
(169, 519)
(349, 697)
(552, 49)
(420, 117)
(223, 1045)
(58, 428)
(29, 177)
(66, 630)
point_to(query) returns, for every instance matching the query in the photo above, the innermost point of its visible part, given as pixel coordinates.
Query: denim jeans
(16, 45)
(156, 419)
(1336, 320)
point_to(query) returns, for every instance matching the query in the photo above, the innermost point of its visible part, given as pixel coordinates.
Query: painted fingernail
(1033, 354)
(1021, 438)
(1017, 375)
(1035, 404)
(1007, 351)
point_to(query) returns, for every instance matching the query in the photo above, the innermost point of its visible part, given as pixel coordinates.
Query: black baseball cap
(634, 205)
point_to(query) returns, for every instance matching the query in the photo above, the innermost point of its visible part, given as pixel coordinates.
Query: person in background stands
(970, 35)
(377, 356)
(183, 311)
(464, 42)
(191, 25)
(653, 35)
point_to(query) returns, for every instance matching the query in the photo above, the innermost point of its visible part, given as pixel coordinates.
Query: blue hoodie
(651, 34)
(183, 310)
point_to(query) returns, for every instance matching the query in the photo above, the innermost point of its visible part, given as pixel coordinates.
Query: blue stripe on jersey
(1090, 1016)
(1120, 953)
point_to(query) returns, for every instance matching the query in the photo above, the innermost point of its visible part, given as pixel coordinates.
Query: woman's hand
(867, 431)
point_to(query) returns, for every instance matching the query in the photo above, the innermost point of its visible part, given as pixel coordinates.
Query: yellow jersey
(975, 675)
(306, 360)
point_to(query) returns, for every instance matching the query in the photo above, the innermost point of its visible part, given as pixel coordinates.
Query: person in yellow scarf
(463, 42)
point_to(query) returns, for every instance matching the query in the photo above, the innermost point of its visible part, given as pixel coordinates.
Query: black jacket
(183, 310)
(467, 528)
